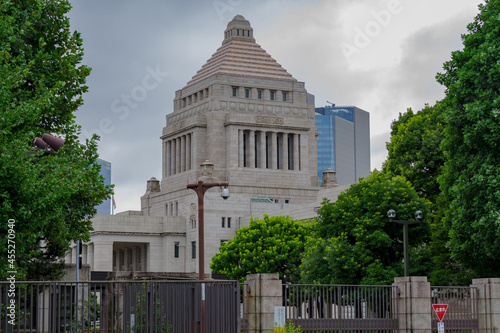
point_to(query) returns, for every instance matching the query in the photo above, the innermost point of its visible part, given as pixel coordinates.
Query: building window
(129, 253)
(287, 201)
(237, 32)
(122, 258)
(138, 252)
(166, 210)
(176, 250)
(223, 220)
(193, 250)
(235, 90)
(272, 95)
(176, 208)
(222, 242)
(277, 200)
(284, 97)
(114, 258)
(229, 222)
(259, 94)
(247, 92)
(193, 223)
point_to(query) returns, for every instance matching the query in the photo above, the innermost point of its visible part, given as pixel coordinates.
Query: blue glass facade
(331, 124)
(325, 126)
(105, 207)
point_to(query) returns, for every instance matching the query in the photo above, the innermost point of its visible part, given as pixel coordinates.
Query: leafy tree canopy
(50, 198)
(354, 241)
(415, 153)
(268, 245)
(472, 135)
(414, 149)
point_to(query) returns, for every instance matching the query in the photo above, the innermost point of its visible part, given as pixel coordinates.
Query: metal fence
(132, 306)
(342, 307)
(462, 313)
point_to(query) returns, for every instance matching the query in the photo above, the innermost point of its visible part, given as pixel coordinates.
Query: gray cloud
(124, 40)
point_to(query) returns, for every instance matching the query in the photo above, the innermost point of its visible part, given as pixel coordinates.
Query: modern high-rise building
(343, 142)
(105, 207)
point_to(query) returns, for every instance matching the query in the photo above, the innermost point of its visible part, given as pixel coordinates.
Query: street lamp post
(418, 216)
(200, 188)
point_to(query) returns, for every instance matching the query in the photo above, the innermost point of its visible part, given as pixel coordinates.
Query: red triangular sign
(440, 310)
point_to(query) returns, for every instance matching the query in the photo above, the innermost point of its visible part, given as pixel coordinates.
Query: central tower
(247, 115)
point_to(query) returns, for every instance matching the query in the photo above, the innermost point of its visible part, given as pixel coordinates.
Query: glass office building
(105, 207)
(343, 142)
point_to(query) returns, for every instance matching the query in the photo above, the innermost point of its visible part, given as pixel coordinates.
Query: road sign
(440, 310)
(440, 327)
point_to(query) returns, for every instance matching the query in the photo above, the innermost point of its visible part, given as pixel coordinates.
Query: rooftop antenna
(333, 104)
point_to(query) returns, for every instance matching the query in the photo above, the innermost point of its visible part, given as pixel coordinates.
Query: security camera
(225, 193)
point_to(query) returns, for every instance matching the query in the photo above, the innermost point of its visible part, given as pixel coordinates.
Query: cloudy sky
(379, 55)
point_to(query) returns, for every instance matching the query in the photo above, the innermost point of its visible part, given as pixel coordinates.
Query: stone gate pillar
(488, 304)
(265, 294)
(414, 304)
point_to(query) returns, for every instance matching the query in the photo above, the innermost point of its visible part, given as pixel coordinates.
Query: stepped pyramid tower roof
(241, 55)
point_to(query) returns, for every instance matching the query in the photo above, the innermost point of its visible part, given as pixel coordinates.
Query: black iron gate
(124, 306)
(342, 307)
(462, 312)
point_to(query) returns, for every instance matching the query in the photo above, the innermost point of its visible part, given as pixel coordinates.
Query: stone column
(251, 149)
(90, 255)
(84, 254)
(262, 149)
(144, 257)
(74, 254)
(188, 151)
(296, 160)
(163, 159)
(414, 304)
(241, 151)
(172, 157)
(274, 151)
(285, 151)
(68, 259)
(178, 155)
(265, 294)
(488, 304)
(167, 159)
(183, 153)
(232, 147)
(304, 156)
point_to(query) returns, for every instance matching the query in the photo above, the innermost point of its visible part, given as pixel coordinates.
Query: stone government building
(255, 123)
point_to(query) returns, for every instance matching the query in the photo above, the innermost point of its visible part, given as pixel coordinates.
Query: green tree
(414, 150)
(354, 241)
(471, 175)
(415, 153)
(50, 198)
(268, 245)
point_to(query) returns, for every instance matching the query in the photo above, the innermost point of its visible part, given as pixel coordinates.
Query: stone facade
(248, 116)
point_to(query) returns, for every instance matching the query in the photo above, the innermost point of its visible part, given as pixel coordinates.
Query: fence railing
(462, 312)
(117, 306)
(342, 307)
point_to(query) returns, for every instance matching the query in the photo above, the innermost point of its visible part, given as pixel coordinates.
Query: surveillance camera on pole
(225, 193)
